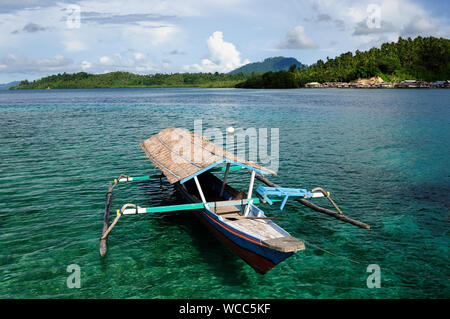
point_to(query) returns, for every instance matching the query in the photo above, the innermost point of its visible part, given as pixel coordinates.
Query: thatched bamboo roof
(180, 154)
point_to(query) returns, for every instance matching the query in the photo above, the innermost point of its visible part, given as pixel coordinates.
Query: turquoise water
(383, 154)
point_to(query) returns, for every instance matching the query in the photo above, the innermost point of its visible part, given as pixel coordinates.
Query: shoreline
(225, 87)
(406, 84)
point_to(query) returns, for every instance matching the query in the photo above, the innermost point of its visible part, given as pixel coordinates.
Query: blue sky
(39, 38)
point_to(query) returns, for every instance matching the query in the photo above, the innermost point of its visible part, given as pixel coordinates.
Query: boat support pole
(200, 191)
(249, 194)
(225, 179)
(319, 209)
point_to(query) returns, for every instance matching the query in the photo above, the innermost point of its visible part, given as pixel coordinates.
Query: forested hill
(425, 59)
(269, 64)
(125, 79)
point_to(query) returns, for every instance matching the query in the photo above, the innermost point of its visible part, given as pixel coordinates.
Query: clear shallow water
(384, 155)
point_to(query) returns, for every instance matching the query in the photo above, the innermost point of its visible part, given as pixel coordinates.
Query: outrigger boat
(188, 161)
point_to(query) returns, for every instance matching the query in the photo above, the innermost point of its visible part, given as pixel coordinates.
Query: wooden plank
(256, 227)
(225, 209)
(285, 244)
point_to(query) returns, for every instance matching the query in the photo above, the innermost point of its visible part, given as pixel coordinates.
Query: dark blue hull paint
(273, 255)
(250, 249)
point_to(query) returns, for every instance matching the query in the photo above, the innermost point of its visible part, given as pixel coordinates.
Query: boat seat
(225, 210)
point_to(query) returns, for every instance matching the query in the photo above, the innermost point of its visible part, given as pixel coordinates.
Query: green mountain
(5, 86)
(426, 59)
(270, 64)
(126, 79)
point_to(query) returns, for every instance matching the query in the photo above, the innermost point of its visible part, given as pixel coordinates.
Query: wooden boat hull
(260, 258)
(255, 253)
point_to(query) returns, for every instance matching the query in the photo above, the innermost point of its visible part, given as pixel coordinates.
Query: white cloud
(179, 8)
(363, 28)
(136, 62)
(131, 62)
(419, 26)
(297, 39)
(223, 56)
(138, 56)
(405, 18)
(85, 65)
(20, 64)
(74, 46)
(105, 60)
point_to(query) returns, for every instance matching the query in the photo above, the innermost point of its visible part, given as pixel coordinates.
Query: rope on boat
(408, 274)
(119, 214)
(331, 253)
(116, 181)
(327, 195)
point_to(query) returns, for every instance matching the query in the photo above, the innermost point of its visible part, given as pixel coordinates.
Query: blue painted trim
(227, 160)
(207, 168)
(273, 255)
(217, 222)
(223, 160)
(265, 191)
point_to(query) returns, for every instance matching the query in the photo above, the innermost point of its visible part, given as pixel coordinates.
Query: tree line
(126, 79)
(426, 59)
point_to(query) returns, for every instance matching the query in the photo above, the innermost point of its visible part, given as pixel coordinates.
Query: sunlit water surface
(383, 154)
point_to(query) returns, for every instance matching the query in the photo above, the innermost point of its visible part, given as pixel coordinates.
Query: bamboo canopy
(181, 154)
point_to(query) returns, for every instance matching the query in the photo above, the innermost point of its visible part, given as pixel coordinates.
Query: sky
(40, 38)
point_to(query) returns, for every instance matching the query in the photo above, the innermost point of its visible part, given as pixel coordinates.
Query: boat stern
(286, 244)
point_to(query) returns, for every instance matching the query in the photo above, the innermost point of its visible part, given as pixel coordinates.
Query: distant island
(407, 63)
(83, 80)
(130, 80)
(270, 64)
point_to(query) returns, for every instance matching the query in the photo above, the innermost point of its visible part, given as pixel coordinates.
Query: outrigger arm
(264, 192)
(131, 209)
(303, 201)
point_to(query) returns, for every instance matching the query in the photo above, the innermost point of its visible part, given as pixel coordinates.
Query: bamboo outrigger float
(187, 160)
